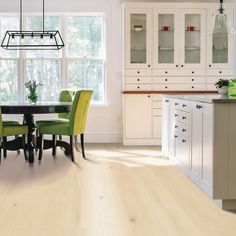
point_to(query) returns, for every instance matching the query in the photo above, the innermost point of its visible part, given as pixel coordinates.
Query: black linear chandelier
(32, 40)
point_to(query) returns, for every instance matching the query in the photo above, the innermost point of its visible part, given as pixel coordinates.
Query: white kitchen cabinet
(220, 44)
(166, 126)
(138, 114)
(142, 119)
(138, 38)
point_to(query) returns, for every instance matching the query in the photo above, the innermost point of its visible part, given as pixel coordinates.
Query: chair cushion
(14, 129)
(50, 121)
(57, 127)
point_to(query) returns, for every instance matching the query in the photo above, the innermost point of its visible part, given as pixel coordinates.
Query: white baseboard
(140, 142)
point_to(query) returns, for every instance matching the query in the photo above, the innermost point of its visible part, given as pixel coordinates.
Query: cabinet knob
(138, 87)
(182, 65)
(192, 79)
(166, 79)
(149, 96)
(166, 100)
(200, 107)
(176, 115)
(176, 104)
(177, 65)
(220, 72)
(192, 72)
(193, 87)
(166, 72)
(138, 72)
(183, 130)
(183, 141)
(176, 136)
(176, 126)
(149, 65)
(183, 117)
(138, 79)
(166, 87)
(209, 65)
(184, 105)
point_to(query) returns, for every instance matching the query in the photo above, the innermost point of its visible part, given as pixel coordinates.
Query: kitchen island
(199, 134)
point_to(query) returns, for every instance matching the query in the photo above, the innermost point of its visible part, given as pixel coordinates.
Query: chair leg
(36, 140)
(0, 150)
(54, 148)
(76, 143)
(72, 148)
(25, 138)
(40, 146)
(82, 145)
(4, 144)
(18, 150)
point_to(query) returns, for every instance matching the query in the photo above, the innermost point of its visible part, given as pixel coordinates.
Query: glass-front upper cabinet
(138, 39)
(166, 38)
(192, 39)
(220, 40)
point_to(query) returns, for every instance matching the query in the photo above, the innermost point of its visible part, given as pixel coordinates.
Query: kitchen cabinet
(142, 119)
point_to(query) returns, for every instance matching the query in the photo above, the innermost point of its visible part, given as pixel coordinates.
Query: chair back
(78, 114)
(0, 122)
(65, 96)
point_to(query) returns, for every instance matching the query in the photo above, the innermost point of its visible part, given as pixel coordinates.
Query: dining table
(28, 111)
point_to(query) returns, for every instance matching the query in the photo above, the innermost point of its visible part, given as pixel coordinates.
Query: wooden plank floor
(118, 192)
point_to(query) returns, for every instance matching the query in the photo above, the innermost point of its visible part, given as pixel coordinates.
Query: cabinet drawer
(157, 104)
(212, 80)
(179, 87)
(182, 105)
(157, 97)
(182, 117)
(178, 72)
(179, 80)
(215, 72)
(157, 112)
(211, 87)
(138, 87)
(138, 72)
(137, 80)
(182, 130)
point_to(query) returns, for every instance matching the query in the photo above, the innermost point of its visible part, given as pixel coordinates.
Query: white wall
(104, 123)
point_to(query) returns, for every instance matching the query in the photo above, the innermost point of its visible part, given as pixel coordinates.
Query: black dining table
(28, 110)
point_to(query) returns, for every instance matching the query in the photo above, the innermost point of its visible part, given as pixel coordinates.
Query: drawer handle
(177, 65)
(193, 87)
(176, 126)
(138, 87)
(176, 115)
(176, 104)
(183, 117)
(176, 136)
(166, 87)
(182, 65)
(220, 72)
(184, 105)
(138, 79)
(192, 72)
(166, 79)
(166, 72)
(209, 65)
(149, 65)
(183, 130)
(192, 79)
(183, 141)
(149, 96)
(138, 72)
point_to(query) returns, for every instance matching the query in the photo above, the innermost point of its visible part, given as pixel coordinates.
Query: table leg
(29, 121)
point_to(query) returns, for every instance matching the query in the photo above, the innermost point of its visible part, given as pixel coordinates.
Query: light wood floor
(118, 192)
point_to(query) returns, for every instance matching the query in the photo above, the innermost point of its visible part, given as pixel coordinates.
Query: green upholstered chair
(73, 126)
(11, 128)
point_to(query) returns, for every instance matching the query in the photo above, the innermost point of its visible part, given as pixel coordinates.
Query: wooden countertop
(168, 92)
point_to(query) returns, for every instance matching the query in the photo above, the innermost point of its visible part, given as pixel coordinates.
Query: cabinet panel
(192, 33)
(179, 72)
(179, 87)
(137, 72)
(138, 38)
(138, 87)
(138, 116)
(138, 80)
(157, 126)
(179, 80)
(219, 72)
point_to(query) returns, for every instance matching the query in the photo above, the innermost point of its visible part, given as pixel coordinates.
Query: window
(8, 64)
(80, 65)
(86, 54)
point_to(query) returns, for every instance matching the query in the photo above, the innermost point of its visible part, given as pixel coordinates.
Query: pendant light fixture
(221, 21)
(32, 40)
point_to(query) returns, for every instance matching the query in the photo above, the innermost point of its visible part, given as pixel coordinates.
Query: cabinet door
(165, 125)
(192, 38)
(206, 171)
(138, 116)
(196, 141)
(138, 26)
(166, 38)
(219, 41)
